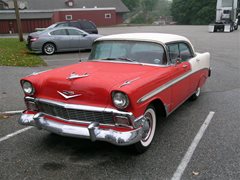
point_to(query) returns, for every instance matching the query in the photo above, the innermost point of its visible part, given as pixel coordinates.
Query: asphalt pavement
(34, 154)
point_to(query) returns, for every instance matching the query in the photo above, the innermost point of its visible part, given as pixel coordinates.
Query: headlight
(28, 87)
(120, 100)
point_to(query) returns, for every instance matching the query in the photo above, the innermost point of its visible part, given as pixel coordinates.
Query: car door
(180, 69)
(79, 39)
(60, 38)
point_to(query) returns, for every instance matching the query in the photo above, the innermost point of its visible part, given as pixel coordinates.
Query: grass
(15, 53)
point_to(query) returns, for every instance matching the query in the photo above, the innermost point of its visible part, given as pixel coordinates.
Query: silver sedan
(61, 39)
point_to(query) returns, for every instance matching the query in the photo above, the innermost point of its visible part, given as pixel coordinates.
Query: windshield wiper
(121, 58)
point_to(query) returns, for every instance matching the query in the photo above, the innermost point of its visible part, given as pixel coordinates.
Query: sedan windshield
(131, 51)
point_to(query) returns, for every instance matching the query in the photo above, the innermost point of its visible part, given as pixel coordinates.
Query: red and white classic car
(117, 95)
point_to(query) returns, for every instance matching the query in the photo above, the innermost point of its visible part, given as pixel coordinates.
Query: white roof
(150, 37)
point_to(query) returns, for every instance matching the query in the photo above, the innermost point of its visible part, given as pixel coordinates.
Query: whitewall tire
(148, 135)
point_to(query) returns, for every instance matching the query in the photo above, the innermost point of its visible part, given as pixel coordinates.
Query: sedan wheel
(149, 131)
(49, 48)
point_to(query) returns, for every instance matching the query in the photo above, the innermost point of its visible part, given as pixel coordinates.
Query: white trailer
(226, 16)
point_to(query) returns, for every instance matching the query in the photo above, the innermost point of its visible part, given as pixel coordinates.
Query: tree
(194, 11)
(19, 25)
(131, 4)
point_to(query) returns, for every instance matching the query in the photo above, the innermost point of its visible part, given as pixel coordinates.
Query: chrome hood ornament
(68, 94)
(129, 82)
(76, 76)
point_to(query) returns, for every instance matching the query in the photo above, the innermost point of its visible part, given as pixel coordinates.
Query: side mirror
(84, 35)
(178, 61)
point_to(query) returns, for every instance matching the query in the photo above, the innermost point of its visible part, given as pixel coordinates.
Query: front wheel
(149, 131)
(49, 48)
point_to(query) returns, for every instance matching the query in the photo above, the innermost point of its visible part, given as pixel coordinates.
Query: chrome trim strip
(162, 87)
(165, 86)
(76, 76)
(129, 82)
(68, 97)
(137, 63)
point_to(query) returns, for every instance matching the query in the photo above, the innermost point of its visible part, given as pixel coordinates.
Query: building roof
(10, 15)
(150, 37)
(61, 4)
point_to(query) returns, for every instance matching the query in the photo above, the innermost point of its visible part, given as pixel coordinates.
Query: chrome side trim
(163, 87)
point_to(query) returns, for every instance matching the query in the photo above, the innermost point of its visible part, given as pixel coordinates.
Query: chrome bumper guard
(92, 132)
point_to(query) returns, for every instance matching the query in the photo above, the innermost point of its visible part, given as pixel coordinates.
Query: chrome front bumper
(92, 132)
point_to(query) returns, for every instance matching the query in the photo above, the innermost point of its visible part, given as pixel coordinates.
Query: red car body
(90, 87)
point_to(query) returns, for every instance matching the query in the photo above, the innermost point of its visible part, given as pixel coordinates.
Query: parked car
(61, 39)
(117, 96)
(82, 24)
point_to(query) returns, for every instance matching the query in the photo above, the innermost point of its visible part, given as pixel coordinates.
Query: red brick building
(41, 13)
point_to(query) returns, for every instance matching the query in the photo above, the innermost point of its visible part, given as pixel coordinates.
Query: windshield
(132, 51)
(227, 3)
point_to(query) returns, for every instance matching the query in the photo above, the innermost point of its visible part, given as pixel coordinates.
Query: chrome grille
(75, 114)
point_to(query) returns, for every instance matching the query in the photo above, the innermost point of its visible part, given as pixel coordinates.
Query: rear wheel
(150, 126)
(49, 48)
(196, 94)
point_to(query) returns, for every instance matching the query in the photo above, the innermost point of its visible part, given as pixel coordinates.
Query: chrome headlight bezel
(120, 100)
(27, 87)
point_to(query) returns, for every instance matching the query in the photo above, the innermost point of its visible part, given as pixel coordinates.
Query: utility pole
(19, 24)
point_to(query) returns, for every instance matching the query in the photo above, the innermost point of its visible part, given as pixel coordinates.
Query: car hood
(93, 88)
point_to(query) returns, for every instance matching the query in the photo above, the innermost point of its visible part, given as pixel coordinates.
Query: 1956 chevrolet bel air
(118, 93)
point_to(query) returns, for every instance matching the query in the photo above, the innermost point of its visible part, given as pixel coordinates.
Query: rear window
(62, 25)
(75, 24)
(87, 25)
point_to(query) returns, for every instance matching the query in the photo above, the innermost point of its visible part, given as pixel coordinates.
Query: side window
(74, 32)
(173, 51)
(58, 32)
(185, 52)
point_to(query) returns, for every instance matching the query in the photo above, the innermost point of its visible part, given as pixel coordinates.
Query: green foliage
(131, 4)
(147, 11)
(14, 53)
(193, 11)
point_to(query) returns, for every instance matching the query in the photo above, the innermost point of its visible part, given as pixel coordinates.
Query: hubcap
(49, 49)
(147, 127)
